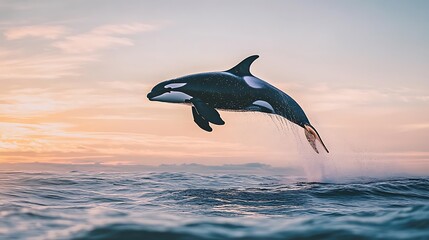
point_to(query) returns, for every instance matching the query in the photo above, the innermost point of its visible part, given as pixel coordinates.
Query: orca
(233, 90)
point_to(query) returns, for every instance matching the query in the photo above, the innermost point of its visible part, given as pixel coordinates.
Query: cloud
(415, 126)
(6, 52)
(324, 98)
(58, 142)
(123, 29)
(100, 101)
(87, 43)
(333, 99)
(43, 66)
(32, 102)
(102, 37)
(125, 86)
(76, 49)
(39, 31)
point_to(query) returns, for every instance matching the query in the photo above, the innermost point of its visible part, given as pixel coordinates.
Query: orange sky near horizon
(74, 81)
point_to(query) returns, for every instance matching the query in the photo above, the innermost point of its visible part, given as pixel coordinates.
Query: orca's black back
(223, 90)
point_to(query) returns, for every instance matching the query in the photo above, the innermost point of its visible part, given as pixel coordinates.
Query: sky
(74, 77)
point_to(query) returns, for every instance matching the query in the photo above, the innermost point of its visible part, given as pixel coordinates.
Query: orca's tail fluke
(312, 135)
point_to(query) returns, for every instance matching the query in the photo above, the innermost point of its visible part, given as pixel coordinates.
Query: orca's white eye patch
(174, 85)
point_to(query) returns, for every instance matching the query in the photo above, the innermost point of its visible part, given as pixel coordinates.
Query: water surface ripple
(166, 205)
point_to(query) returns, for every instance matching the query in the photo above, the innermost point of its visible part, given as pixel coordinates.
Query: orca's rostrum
(234, 90)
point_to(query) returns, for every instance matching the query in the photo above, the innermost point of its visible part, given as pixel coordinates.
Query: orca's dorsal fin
(243, 68)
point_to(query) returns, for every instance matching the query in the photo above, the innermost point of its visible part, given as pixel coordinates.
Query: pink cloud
(44, 66)
(123, 29)
(39, 31)
(86, 43)
(102, 37)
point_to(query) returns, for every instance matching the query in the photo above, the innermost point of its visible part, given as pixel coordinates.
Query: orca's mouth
(151, 95)
(154, 94)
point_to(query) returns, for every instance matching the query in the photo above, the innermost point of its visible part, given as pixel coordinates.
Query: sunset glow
(74, 81)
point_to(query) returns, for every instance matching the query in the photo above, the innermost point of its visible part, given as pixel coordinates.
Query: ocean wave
(165, 205)
(302, 228)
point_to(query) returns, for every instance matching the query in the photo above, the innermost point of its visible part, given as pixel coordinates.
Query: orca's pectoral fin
(200, 121)
(207, 112)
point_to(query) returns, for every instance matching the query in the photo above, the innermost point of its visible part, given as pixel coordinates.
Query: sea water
(208, 205)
